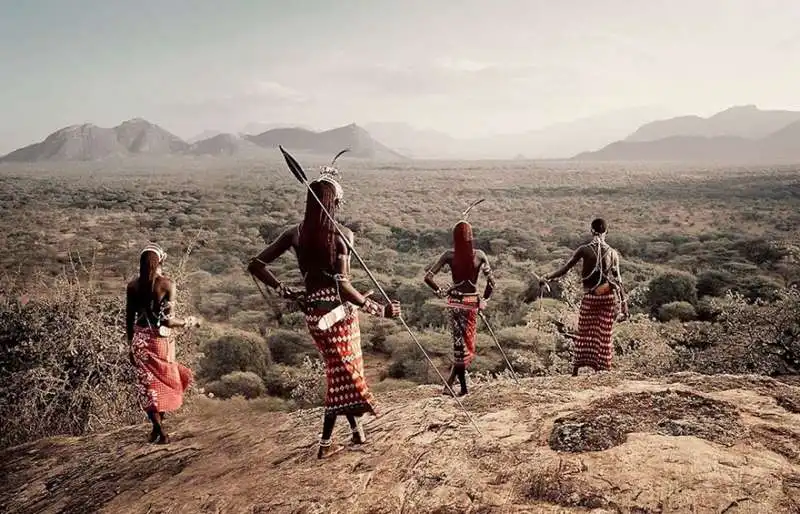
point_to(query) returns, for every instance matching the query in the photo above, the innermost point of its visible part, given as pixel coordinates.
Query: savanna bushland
(709, 259)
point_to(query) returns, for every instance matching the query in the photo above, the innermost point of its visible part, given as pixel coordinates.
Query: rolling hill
(140, 137)
(731, 136)
(555, 141)
(226, 144)
(746, 121)
(328, 142)
(89, 142)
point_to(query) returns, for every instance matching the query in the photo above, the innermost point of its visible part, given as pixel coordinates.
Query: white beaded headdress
(153, 247)
(331, 175)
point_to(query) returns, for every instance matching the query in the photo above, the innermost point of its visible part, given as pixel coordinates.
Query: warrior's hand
(392, 310)
(289, 293)
(191, 321)
(455, 294)
(482, 304)
(441, 293)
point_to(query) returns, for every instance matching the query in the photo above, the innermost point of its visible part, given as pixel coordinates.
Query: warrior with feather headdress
(466, 264)
(330, 303)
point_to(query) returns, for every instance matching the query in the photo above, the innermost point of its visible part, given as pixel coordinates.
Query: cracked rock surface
(604, 443)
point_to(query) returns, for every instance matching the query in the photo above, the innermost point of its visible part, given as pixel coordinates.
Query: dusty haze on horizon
(469, 68)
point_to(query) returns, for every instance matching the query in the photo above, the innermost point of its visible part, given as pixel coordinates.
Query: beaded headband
(331, 175)
(152, 247)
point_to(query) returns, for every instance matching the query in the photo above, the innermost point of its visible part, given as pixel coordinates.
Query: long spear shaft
(497, 342)
(298, 172)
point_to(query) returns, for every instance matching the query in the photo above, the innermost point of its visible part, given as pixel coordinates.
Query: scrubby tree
(671, 287)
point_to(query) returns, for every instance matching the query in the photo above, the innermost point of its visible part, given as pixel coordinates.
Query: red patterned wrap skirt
(346, 389)
(594, 347)
(161, 381)
(464, 326)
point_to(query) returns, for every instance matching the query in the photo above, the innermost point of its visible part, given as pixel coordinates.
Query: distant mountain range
(357, 139)
(139, 137)
(560, 140)
(90, 142)
(741, 134)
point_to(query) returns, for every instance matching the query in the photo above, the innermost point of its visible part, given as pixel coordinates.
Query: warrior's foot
(358, 435)
(326, 451)
(162, 438)
(463, 392)
(574, 372)
(446, 392)
(153, 435)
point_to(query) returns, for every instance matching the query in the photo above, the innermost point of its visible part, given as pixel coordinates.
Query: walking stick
(300, 175)
(494, 337)
(497, 342)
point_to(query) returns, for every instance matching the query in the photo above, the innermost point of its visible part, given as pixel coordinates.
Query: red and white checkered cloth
(593, 347)
(161, 381)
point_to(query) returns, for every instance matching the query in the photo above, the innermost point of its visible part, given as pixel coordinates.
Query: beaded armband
(373, 308)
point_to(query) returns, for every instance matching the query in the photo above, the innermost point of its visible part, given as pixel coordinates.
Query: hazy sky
(467, 67)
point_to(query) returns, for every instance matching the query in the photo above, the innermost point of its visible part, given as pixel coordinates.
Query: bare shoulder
(132, 286)
(583, 250)
(348, 234)
(481, 255)
(291, 233)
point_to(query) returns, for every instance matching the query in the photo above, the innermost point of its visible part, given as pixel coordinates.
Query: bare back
(159, 301)
(469, 286)
(315, 280)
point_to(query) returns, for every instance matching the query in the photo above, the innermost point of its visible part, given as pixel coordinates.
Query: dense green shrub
(671, 287)
(756, 287)
(237, 351)
(680, 311)
(714, 283)
(291, 347)
(238, 383)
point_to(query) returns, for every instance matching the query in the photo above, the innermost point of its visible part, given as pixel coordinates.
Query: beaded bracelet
(372, 307)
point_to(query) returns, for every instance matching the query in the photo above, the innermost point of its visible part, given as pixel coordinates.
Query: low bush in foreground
(64, 365)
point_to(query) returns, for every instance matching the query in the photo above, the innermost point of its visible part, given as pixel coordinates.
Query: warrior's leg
(450, 381)
(358, 430)
(575, 371)
(462, 378)
(161, 437)
(151, 415)
(326, 447)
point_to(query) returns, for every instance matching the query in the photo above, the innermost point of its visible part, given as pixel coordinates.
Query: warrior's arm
(347, 290)
(168, 319)
(130, 312)
(618, 279)
(487, 272)
(435, 268)
(258, 264)
(576, 257)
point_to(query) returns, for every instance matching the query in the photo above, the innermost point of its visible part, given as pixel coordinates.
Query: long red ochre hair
(318, 233)
(463, 266)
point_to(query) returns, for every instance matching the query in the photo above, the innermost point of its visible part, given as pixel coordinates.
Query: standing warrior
(465, 264)
(149, 302)
(602, 287)
(330, 304)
